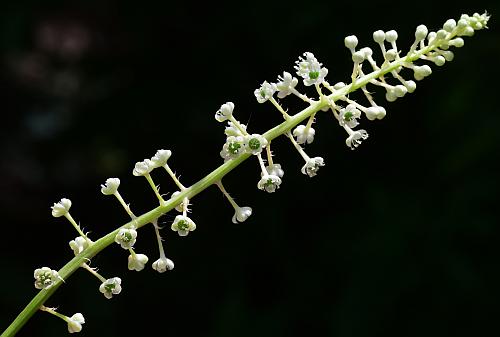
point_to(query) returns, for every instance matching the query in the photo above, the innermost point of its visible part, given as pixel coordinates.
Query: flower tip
(137, 261)
(111, 186)
(61, 208)
(75, 323)
(163, 264)
(241, 214)
(160, 158)
(142, 168)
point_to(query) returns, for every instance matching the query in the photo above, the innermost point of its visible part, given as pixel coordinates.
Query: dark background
(397, 238)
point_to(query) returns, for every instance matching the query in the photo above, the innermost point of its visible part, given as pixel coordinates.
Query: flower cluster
(238, 141)
(45, 277)
(428, 49)
(111, 287)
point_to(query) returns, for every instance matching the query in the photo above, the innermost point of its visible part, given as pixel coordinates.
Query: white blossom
(421, 32)
(255, 143)
(75, 322)
(61, 208)
(419, 72)
(379, 36)
(232, 130)
(78, 245)
(269, 183)
(312, 166)
(274, 169)
(265, 92)
(375, 112)
(111, 186)
(137, 261)
(286, 84)
(304, 134)
(142, 168)
(126, 237)
(45, 277)
(111, 287)
(225, 112)
(349, 115)
(233, 147)
(241, 214)
(163, 264)
(351, 41)
(183, 225)
(180, 207)
(160, 158)
(310, 69)
(355, 138)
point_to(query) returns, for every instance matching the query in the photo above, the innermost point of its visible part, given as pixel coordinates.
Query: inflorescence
(432, 47)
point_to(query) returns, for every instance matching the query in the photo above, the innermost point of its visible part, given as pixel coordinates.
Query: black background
(397, 238)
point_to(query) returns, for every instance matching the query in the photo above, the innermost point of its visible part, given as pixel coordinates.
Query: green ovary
(234, 148)
(348, 116)
(313, 75)
(254, 144)
(182, 225)
(127, 237)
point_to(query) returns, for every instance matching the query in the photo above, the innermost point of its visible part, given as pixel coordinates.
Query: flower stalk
(313, 73)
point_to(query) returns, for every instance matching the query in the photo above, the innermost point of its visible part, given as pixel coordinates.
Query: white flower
(111, 186)
(375, 112)
(269, 183)
(310, 69)
(419, 72)
(391, 36)
(312, 166)
(225, 112)
(241, 214)
(183, 225)
(142, 168)
(255, 143)
(45, 277)
(275, 170)
(421, 32)
(351, 41)
(61, 208)
(233, 147)
(75, 322)
(137, 261)
(179, 207)
(348, 116)
(111, 287)
(126, 237)
(232, 130)
(304, 134)
(163, 264)
(265, 92)
(78, 245)
(379, 36)
(355, 138)
(160, 158)
(286, 84)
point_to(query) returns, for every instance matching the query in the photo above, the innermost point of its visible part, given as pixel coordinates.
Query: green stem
(93, 272)
(124, 205)
(155, 189)
(55, 313)
(216, 175)
(174, 178)
(228, 197)
(77, 227)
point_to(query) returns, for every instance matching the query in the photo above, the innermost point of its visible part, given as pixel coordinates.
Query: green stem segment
(216, 175)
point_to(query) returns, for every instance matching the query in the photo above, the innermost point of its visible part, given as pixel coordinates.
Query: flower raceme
(390, 74)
